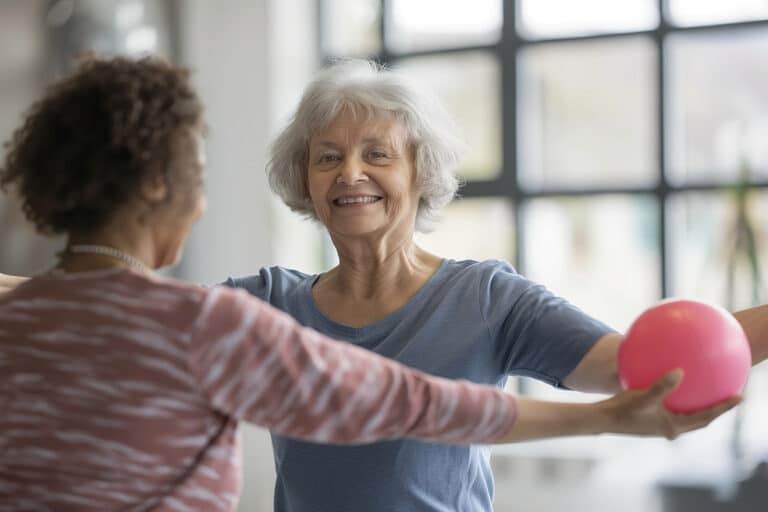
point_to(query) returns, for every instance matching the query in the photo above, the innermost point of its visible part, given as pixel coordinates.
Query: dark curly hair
(85, 147)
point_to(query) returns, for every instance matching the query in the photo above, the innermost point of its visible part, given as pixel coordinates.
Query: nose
(352, 172)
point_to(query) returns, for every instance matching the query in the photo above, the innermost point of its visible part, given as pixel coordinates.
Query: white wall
(250, 59)
(225, 43)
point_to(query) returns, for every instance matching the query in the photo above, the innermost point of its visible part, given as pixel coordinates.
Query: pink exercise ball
(705, 341)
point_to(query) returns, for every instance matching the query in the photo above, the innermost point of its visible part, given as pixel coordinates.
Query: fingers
(666, 384)
(687, 422)
(643, 412)
(706, 416)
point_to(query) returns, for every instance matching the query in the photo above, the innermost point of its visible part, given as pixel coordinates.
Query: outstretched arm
(598, 370)
(754, 321)
(257, 364)
(636, 412)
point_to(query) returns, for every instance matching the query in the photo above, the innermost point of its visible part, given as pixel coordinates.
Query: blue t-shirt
(479, 321)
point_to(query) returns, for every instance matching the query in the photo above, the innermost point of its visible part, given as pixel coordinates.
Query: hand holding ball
(705, 341)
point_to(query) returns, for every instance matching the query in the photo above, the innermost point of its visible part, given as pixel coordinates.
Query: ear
(154, 188)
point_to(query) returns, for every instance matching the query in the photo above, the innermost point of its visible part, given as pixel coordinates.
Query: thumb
(667, 383)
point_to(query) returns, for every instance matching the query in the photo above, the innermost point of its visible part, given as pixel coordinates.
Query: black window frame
(507, 184)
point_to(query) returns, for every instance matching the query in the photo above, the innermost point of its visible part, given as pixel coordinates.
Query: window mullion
(508, 50)
(662, 191)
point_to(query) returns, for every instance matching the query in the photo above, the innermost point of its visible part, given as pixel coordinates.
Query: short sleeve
(258, 285)
(535, 332)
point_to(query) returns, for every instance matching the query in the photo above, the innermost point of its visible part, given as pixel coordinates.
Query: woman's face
(361, 177)
(187, 200)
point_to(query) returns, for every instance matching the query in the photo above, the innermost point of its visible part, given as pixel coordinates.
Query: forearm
(541, 420)
(635, 412)
(754, 321)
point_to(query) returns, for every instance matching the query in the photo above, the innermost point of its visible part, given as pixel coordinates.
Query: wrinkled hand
(642, 412)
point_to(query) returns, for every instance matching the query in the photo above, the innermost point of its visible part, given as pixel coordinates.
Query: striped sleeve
(257, 364)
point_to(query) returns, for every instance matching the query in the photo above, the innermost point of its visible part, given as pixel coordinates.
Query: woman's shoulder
(270, 281)
(488, 277)
(132, 292)
(475, 268)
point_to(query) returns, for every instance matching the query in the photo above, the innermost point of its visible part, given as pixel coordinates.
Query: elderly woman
(371, 158)
(121, 390)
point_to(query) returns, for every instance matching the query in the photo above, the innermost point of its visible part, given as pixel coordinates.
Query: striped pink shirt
(123, 392)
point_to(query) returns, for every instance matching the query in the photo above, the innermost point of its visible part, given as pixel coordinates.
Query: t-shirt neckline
(379, 325)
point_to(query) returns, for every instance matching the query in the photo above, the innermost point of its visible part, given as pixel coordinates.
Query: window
(614, 142)
(599, 124)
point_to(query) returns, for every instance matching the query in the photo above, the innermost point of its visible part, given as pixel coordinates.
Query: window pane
(551, 18)
(718, 105)
(351, 27)
(704, 241)
(468, 86)
(476, 229)
(600, 253)
(443, 23)
(587, 114)
(702, 12)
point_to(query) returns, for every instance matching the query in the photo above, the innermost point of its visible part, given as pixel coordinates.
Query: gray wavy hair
(368, 89)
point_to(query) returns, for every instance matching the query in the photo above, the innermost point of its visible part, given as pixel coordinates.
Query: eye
(377, 154)
(328, 158)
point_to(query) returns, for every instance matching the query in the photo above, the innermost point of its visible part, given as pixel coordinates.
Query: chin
(357, 228)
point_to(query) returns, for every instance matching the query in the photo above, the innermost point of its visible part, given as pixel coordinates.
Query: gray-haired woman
(372, 158)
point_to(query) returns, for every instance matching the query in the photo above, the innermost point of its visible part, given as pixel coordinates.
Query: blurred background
(619, 154)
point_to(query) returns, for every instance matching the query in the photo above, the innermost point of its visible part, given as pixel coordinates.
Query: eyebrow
(378, 140)
(326, 143)
(367, 140)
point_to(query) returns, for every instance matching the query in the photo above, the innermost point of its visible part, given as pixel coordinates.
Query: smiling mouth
(356, 200)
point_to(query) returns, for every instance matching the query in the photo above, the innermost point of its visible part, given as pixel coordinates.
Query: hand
(8, 282)
(642, 412)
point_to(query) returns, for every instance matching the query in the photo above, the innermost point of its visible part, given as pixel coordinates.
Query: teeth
(357, 200)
